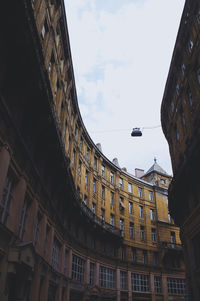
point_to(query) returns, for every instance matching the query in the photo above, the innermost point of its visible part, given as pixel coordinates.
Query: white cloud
(121, 58)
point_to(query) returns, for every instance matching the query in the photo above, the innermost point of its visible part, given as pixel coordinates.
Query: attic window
(162, 181)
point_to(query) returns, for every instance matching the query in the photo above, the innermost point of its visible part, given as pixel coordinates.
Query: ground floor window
(157, 284)
(78, 268)
(106, 277)
(140, 282)
(176, 286)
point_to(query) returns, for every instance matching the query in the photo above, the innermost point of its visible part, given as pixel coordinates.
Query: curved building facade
(180, 122)
(73, 224)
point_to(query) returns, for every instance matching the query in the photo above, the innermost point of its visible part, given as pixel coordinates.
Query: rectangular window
(102, 214)
(73, 156)
(131, 230)
(152, 214)
(6, 199)
(37, 225)
(44, 29)
(139, 282)
(86, 177)
(111, 177)
(65, 262)
(103, 170)
(153, 234)
(88, 154)
(176, 286)
(134, 254)
(51, 63)
(111, 198)
(129, 187)
(112, 220)
(81, 143)
(95, 162)
(55, 254)
(141, 211)
(169, 218)
(130, 207)
(85, 199)
(123, 253)
(103, 192)
(79, 168)
(91, 273)
(173, 239)
(22, 225)
(144, 257)
(155, 258)
(140, 192)
(121, 183)
(106, 277)
(142, 233)
(122, 225)
(123, 280)
(94, 184)
(94, 208)
(78, 265)
(150, 196)
(157, 284)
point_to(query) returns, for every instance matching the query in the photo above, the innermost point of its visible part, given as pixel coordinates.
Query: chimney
(115, 161)
(139, 172)
(98, 145)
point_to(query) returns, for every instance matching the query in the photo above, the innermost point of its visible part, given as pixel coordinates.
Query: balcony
(170, 246)
(97, 220)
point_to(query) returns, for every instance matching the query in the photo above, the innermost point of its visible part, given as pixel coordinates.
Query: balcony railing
(98, 220)
(170, 245)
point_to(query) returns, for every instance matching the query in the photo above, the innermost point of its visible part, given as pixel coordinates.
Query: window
(94, 208)
(94, 184)
(134, 254)
(144, 256)
(86, 177)
(120, 182)
(106, 277)
(123, 280)
(72, 119)
(176, 286)
(56, 89)
(51, 63)
(65, 262)
(85, 199)
(183, 119)
(111, 177)
(190, 45)
(103, 170)
(177, 89)
(155, 258)
(131, 230)
(88, 154)
(173, 238)
(190, 99)
(73, 156)
(140, 211)
(78, 265)
(37, 224)
(122, 225)
(112, 220)
(47, 230)
(183, 68)
(55, 254)
(103, 192)
(81, 143)
(95, 162)
(123, 253)
(130, 207)
(6, 199)
(121, 205)
(150, 196)
(111, 198)
(157, 284)
(91, 273)
(44, 30)
(177, 135)
(22, 226)
(153, 234)
(140, 192)
(142, 233)
(102, 214)
(140, 282)
(129, 187)
(152, 214)
(79, 168)
(169, 218)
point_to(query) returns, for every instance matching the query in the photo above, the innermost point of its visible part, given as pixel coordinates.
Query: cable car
(136, 132)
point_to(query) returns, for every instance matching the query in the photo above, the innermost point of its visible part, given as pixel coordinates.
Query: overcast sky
(121, 51)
